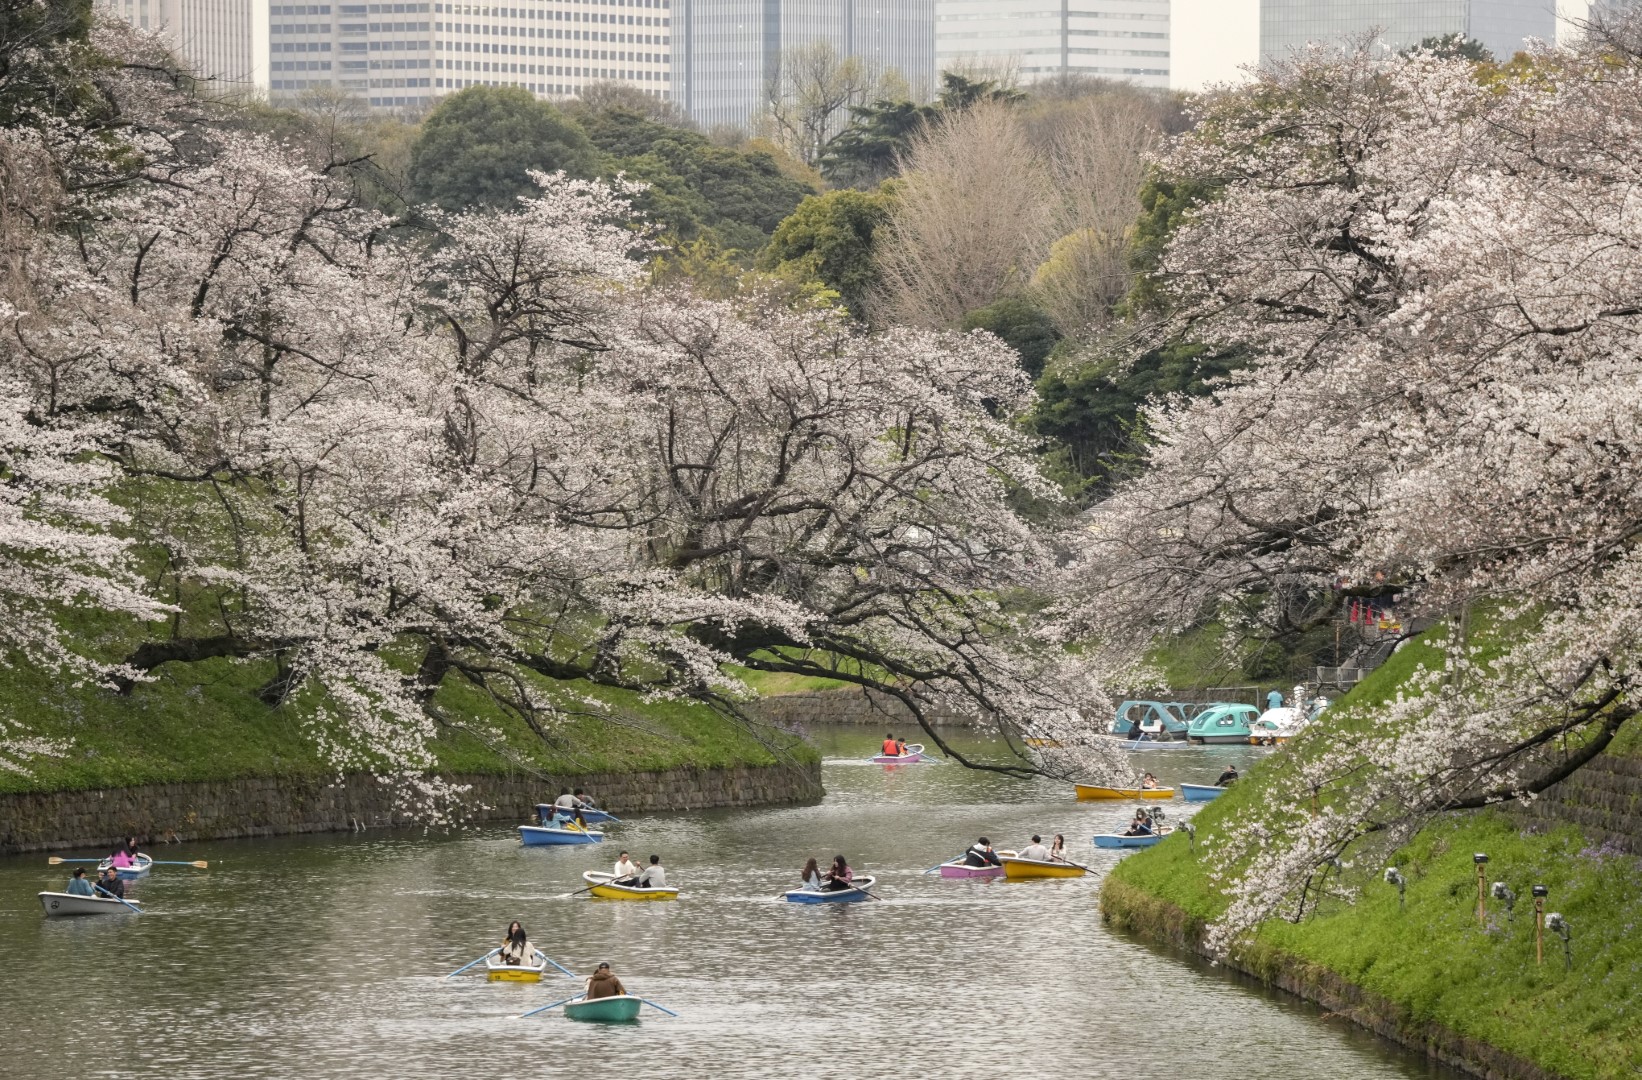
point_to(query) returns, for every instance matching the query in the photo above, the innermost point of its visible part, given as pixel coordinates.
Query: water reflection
(323, 957)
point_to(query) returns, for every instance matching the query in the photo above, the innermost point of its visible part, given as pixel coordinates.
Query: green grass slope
(1431, 958)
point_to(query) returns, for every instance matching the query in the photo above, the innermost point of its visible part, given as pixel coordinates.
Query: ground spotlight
(1393, 876)
(1501, 891)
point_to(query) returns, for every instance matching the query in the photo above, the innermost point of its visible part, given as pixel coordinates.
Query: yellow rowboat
(1092, 791)
(498, 971)
(1017, 869)
(604, 890)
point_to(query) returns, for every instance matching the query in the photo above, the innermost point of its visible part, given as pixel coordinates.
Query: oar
(653, 1005)
(481, 960)
(173, 862)
(55, 860)
(555, 1005)
(938, 865)
(555, 963)
(111, 896)
(858, 889)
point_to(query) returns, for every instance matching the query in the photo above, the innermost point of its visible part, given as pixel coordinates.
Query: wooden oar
(200, 863)
(481, 960)
(111, 896)
(555, 1005)
(555, 963)
(56, 860)
(938, 865)
(858, 889)
(653, 1005)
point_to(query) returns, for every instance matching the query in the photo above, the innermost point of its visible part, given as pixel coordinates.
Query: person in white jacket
(627, 871)
(1036, 850)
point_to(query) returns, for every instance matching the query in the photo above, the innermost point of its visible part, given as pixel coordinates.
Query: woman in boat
(839, 877)
(1057, 850)
(627, 871)
(981, 854)
(812, 876)
(1148, 782)
(891, 747)
(1141, 825)
(900, 748)
(603, 983)
(516, 947)
(79, 886)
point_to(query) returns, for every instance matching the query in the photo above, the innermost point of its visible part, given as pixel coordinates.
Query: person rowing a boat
(1035, 850)
(626, 872)
(892, 746)
(981, 854)
(111, 884)
(78, 885)
(566, 809)
(654, 877)
(1057, 850)
(603, 983)
(839, 876)
(516, 947)
(812, 876)
(1148, 782)
(1141, 825)
(1227, 777)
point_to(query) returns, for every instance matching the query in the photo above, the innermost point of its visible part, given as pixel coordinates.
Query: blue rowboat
(138, 869)
(538, 835)
(836, 896)
(1200, 792)
(616, 1008)
(1117, 840)
(544, 814)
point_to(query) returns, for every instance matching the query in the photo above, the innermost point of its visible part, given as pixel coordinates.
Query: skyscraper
(1502, 26)
(726, 52)
(1038, 39)
(223, 41)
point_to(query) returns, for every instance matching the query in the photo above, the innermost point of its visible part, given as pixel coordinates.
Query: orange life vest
(889, 748)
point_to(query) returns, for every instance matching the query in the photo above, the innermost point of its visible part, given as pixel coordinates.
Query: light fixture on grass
(1501, 891)
(1482, 887)
(1556, 924)
(1540, 893)
(1393, 876)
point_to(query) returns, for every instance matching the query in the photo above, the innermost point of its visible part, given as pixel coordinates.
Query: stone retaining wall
(1604, 799)
(855, 705)
(271, 806)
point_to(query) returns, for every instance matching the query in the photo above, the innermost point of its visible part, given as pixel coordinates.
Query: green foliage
(477, 147)
(869, 150)
(1450, 46)
(1165, 204)
(829, 238)
(1024, 327)
(41, 69)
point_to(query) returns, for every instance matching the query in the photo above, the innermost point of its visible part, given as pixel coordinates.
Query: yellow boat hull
(1022, 869)
(1092, 791)
(516, 975)
(618, 892)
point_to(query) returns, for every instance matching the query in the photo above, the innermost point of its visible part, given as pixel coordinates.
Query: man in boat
(1141, 825)
(603, 983)
(627, 871)
(1227, 777)
(1035, 850)
(981, 854)
(584, 801)
(891, 747)
(111, 884)
(566, 809)
(654, 877)
(78, 885)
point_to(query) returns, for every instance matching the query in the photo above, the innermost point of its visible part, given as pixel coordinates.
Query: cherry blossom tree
(1433, 264)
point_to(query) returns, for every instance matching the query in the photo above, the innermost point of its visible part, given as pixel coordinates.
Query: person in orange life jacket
(891, 748)
(839, 877)
(900, 747)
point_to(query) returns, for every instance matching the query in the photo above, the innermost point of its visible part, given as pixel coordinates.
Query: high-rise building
(223, 41)
(410, 54)
(1502, 26)
(1039, 39)
(727, 52)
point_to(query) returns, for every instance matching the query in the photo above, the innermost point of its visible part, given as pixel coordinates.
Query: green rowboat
(620, 1007)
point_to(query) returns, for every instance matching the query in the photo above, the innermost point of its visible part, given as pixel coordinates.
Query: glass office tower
(1502, 26)
(1126, 40)
(725, 52)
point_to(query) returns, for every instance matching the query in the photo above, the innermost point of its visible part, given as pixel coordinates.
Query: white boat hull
(59, 904)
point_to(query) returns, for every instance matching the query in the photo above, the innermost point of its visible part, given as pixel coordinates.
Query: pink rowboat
(957, 868)
(914, 755)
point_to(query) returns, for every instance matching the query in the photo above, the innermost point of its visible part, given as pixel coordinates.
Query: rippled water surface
(323, 957)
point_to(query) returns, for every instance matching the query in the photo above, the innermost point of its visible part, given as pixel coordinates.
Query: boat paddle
(121, 899)
(653, 1005)
(55, 860)
(555, 1005)
(858, 889)
(481, 960)
(200, 863)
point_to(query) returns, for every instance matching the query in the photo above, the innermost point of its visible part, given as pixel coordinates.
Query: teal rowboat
(618, 1008)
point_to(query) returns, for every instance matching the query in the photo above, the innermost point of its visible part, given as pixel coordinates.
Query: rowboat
(1200, 792)
(139, 869)
(914, 754)
(544, 814)
(603, 889)
(500, 971)
(832, 896)
(1118, 840)
(1016, 868)
(537, 835)
(1146, 742)
(618, 1007)
(1094, 791)
(961, 869)
(58, 904)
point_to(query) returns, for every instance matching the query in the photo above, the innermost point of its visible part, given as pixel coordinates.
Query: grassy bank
(204, 721)
(1430, 962)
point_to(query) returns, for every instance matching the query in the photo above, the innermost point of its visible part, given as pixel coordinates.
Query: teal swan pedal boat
(1223, 723)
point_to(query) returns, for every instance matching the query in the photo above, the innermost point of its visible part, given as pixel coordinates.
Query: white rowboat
(58, 904)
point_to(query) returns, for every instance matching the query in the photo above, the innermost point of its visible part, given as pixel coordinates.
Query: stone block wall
(272, 806)
(855, 705)
(1604, 799)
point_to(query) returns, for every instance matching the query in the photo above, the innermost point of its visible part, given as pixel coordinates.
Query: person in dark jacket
(603, 983)
(111, 885)
(1227, 777)
(981, 854)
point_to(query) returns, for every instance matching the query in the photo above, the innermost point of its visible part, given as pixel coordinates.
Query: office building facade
(225, 42)
(1126, 40)
(1502, 26)
(726, 53)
